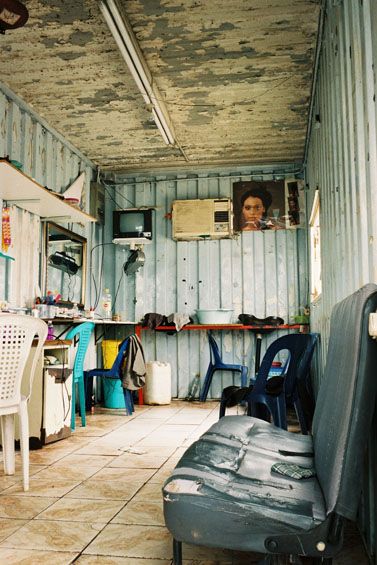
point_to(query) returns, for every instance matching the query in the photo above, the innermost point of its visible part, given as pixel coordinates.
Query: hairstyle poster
(265, 205)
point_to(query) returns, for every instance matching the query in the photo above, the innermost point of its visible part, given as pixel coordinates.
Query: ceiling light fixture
(131, 53)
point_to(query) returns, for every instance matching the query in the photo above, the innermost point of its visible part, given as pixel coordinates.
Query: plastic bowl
(214, 316)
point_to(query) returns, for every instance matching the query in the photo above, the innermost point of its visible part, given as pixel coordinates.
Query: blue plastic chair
(116, 373)
(275, 393)
(216, 364)
(301, 380)
(83, 332)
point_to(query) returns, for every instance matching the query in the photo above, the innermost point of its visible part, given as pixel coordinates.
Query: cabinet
(50, 401)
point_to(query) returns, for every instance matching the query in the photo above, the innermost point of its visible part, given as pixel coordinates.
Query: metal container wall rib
(260, 273)
(52, 162)
(342, 164)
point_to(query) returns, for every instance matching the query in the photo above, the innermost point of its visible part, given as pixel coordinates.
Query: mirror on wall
(65, 264)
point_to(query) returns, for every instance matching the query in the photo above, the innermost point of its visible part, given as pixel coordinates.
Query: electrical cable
(246, 176)
(117, 290)
(97, 291)
(63, 379)
(100, 281)
(106, 187)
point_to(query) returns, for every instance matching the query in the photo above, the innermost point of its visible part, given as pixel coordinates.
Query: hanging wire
(117, 290)
(107, 189)
(98, 289)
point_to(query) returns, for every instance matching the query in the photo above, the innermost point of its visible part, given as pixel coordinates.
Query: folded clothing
(250, 320)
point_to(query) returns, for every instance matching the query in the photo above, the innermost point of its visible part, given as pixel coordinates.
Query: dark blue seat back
(296, 345)
(215, 357)
(346, 402)
(116, 367)
(302, 367)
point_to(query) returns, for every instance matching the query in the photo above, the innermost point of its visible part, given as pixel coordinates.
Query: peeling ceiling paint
(235, 76)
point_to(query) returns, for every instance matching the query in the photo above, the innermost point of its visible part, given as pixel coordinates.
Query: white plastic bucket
(157, 389)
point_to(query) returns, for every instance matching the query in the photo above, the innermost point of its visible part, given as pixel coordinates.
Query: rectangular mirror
(65, 264)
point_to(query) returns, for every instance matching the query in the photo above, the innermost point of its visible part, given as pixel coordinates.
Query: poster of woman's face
(259, 205)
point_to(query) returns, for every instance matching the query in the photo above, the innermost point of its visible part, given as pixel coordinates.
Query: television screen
(131, 222)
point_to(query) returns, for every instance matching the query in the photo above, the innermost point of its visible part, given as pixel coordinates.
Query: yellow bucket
(112, 388)
(109, 352)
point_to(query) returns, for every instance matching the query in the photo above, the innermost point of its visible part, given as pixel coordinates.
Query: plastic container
(50, 331)
(157, 389)
(112, 388)
(113, 396)
(221, 316)
(106, 304)
(109, 352)
(276, 369)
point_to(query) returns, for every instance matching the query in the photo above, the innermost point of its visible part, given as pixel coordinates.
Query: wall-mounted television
(132, 225)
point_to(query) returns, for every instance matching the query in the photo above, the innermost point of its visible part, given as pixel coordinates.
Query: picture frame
(267, 204)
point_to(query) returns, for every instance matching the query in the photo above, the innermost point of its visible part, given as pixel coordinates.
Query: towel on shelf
(179, 320)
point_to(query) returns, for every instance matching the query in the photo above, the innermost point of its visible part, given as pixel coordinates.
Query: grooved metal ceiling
(235, 76)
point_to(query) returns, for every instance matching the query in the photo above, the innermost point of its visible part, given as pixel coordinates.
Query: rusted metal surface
(235, 76)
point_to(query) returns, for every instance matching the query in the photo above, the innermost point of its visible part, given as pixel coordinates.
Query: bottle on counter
(194, 388)
(50, 330)
(75, 310)
(106, 304)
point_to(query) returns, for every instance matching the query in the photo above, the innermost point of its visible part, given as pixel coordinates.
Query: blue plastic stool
(83, 332)
(216, 364)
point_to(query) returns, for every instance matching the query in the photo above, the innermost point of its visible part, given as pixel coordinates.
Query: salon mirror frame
(75, 238)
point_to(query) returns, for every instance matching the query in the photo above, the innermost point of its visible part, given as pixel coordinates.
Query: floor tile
(35, 557)
(44, 487)
(141, 512)
(25, 507)
(8, 526)
(77, 510)
(164, 472)
(122, 473)
(131, 460)
(53, 536)
(115, 490)
(132, 541)
(99, 492)
(97, 449)
(68, 472)
(106, 560)
(98, 461)
(8, 481)
(151, 450)
(160, 413)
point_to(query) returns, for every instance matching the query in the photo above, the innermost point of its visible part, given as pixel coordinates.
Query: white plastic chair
(16, 337)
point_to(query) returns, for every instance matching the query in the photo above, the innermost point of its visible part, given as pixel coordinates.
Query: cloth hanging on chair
(133, 366)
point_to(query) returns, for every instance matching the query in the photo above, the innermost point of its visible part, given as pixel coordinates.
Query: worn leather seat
(224, 493)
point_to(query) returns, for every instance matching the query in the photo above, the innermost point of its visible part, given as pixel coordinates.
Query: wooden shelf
(19, 189)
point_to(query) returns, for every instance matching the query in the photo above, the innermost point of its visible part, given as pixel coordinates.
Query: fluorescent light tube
(111, 22)
(159, 118)
(132, 55)
(160, 127)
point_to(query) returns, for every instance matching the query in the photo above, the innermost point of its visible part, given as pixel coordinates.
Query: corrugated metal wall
(52, 162)
(342, 164)
(260, 273)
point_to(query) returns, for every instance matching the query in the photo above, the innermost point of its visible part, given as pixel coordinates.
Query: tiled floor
(95, 498)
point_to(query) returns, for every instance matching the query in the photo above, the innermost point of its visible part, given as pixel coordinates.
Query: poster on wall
(266, 205)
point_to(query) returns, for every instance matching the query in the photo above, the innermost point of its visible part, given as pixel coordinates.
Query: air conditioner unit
(202, 219)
